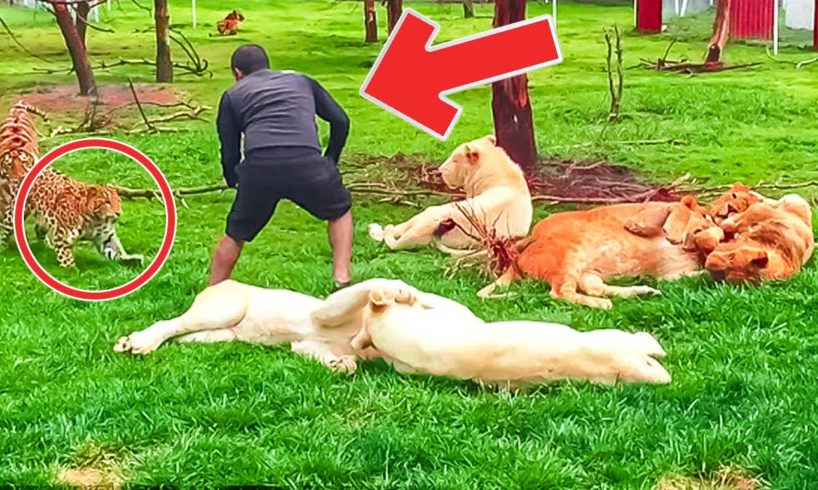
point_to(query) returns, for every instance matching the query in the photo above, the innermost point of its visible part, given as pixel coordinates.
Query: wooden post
(164, 66)
(510, 105)
(370, 21)
(468, 9)
(815, 28)
(76, 48)
(394, 9)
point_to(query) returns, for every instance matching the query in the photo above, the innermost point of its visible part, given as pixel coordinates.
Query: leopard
(65, 210)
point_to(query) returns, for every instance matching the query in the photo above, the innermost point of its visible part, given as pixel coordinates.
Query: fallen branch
(659, 141)
(798, 64)
(139, 106)
(187, 69)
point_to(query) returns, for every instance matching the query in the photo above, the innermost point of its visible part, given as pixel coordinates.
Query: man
(275, 111)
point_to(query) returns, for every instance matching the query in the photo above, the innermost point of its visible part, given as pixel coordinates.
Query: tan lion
(496, 194)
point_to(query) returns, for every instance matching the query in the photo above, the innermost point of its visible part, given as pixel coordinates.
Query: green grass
(742, 358)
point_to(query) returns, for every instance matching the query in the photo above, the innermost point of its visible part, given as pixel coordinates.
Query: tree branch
(18, 43)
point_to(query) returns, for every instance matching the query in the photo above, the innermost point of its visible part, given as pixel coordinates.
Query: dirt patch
(94, 467)
(64, 98)
(90, 478)
(723, 479)
(569, 180)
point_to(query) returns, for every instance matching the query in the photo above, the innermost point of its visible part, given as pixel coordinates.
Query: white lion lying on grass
(415, 331)
(496, 194)
(417, 334)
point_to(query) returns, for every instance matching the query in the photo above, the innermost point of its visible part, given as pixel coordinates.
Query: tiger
(65, 210)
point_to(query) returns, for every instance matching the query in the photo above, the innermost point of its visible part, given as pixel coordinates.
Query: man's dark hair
(249, 58)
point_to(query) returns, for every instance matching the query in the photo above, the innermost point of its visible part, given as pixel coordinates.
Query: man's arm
(230, 139)
(327, 109)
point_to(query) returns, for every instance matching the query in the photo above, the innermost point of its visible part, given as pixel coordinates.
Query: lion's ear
(471, 154)
(690, 202)
(757, 257)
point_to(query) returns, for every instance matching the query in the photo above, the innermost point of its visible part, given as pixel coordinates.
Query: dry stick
(139, 106)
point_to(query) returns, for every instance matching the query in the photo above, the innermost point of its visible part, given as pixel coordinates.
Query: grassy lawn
(743, 359)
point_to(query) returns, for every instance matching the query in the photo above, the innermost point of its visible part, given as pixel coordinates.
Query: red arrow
(410, 78)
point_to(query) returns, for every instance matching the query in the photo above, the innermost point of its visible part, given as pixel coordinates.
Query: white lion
(496, 194)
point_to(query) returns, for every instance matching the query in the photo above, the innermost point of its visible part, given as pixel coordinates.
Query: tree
(82, 9)
(468, 9)
(164, 66)
(370, 21)
(510, 105)
(76, 46)
(721, 31)
(394, 9)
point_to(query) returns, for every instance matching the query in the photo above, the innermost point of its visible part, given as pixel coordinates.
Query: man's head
(248, 59)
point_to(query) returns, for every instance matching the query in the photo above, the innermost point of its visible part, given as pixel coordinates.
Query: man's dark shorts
(301, 175)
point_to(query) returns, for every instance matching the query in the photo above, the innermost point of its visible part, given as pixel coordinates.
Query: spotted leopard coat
(65, 210)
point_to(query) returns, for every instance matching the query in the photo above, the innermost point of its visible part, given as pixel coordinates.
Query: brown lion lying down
(577, 252)
(767, 239)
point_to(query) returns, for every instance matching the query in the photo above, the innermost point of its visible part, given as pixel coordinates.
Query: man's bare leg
(225, 257)
(340, 238)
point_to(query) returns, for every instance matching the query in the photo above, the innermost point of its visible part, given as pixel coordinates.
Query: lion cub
(496, 193)
(575, 252)
(772, 240)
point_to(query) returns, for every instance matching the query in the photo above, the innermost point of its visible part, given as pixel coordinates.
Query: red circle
(19, 219)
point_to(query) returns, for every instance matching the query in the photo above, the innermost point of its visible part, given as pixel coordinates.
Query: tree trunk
(82, 10)
(370, 21)
(510, 106)
(76, 48)
(394, 9)
(815, 28)
(164, 66)
(468, 9)
(721, 31)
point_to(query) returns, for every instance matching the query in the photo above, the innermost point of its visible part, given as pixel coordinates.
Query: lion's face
(736, 262)
(464, 161)
(691, 226)
(735, 200)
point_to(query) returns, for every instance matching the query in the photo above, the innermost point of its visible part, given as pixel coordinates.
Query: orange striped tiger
(65, 210)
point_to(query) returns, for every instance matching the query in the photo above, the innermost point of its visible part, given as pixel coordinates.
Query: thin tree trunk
(370, 21)
(394, 9)
(164, 66)
(815, 28)
(468, 9)
(82, 11)
(76, 48)
(721, 31)
(510, 105)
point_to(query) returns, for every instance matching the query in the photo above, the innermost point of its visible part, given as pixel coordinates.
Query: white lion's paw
(123, 344)
(137, 343)
(343, 364)
(647, 291)
(376, 232)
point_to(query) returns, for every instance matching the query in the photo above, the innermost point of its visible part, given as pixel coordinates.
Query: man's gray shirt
(276, 109)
